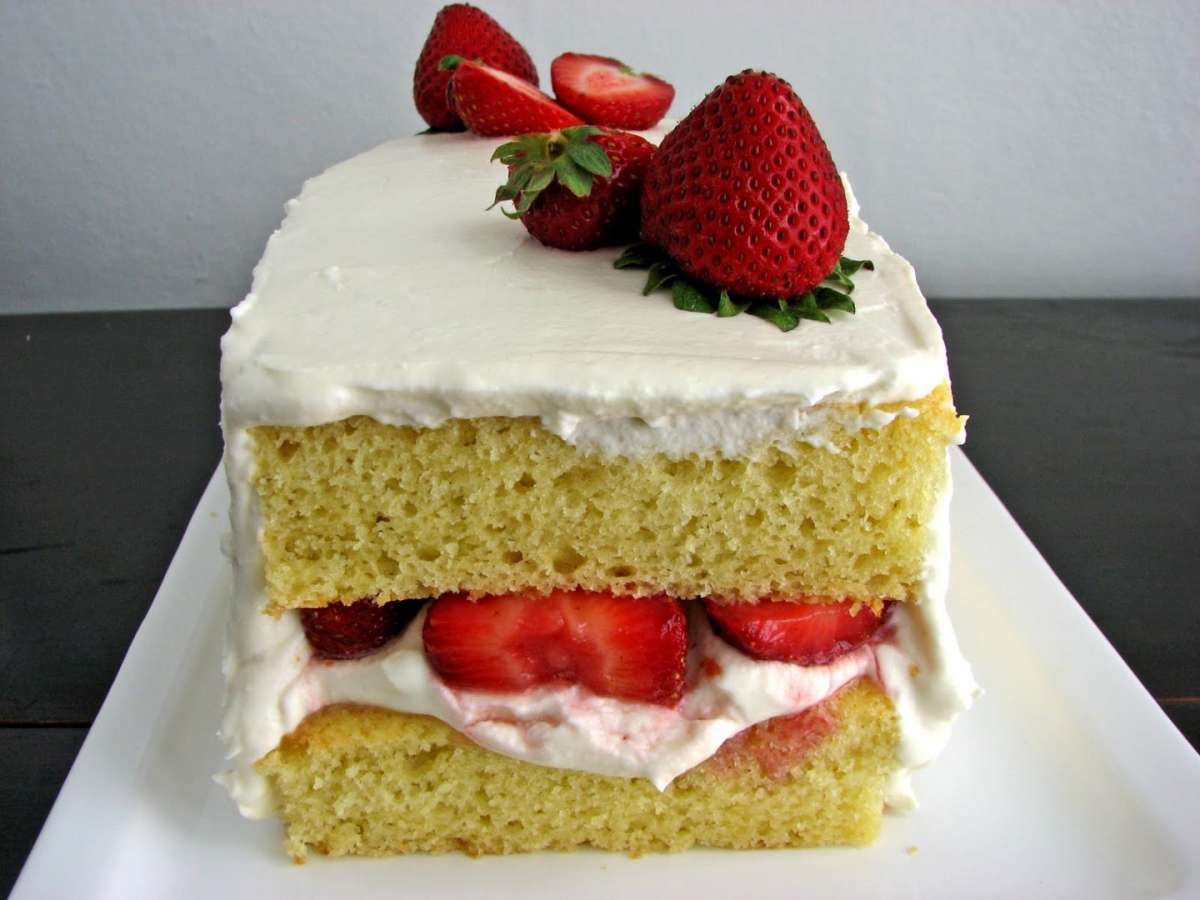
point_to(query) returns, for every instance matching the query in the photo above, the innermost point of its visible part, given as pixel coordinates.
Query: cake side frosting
(387, 292)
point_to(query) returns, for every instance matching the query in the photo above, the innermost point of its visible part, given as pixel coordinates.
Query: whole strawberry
(471, 33)
(341, 631)
(744, 195)
(578, 188)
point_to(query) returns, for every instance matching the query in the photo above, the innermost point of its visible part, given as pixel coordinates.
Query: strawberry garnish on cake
(350, 631)
(810, 634)
(631, 648)
(605, 91)
(463, 30)
(575, 189)
(492, 102)
(743, 209)
(750, 167)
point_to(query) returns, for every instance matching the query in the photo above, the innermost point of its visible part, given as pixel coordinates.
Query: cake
(517, 548)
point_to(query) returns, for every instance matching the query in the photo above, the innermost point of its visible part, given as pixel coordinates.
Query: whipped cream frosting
(388, 292)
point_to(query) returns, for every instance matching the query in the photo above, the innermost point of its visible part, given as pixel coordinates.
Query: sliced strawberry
(605, 91)
(591, 199)
(342, 631)
(471, 33)
(626, 647)
(811, 634)
(492, 102)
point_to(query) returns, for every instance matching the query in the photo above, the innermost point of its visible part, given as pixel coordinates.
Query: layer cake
(424, 407)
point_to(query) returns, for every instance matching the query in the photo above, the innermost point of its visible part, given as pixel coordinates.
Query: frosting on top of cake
(388, 291)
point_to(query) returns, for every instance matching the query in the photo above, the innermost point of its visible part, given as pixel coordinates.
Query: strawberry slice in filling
(810, 634)
(631, 648)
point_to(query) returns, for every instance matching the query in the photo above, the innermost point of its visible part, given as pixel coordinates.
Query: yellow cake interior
(359, 509)
(366, 781)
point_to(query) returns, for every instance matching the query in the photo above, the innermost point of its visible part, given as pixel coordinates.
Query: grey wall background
(1020, 148)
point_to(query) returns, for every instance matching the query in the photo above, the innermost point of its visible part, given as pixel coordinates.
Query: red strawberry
(576, 189)
(811, 634)
(492, 102)
(743, 193)
(468, 32)
(627, 647)
(339, 631)
(607, 92)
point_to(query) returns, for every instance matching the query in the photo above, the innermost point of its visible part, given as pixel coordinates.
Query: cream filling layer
(273, 683)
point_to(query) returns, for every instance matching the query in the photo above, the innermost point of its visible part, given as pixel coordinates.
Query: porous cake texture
(365, 781)
(358, 509)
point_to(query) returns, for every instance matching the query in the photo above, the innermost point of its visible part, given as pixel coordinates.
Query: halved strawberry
(492, 102)
(632, 648)
(461, 28)
(341, 631)
(811, 634)
(605, 91)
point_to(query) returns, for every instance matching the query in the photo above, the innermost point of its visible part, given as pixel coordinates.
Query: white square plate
(1066, 780)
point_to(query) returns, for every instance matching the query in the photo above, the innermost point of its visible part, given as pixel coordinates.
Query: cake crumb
(911, 851)
(914, 670)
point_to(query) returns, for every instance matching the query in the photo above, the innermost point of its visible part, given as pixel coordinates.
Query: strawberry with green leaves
(743, 209)
(576, 188)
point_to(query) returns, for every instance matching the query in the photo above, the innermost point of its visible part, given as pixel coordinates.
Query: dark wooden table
(1085, 420)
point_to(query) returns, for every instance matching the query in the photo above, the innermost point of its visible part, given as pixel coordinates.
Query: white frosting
(388, 292)
(730, 432)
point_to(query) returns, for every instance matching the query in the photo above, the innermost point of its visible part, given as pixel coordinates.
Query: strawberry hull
(586, 206)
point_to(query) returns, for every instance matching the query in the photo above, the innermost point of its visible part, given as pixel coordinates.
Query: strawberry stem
(784, 313)
(535, 161)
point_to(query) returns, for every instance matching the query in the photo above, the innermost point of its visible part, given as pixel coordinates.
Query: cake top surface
(388, 291)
